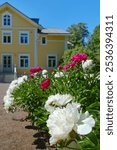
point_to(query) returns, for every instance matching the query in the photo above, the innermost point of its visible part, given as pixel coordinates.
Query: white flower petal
(58, 74)
(60, 124)
(90, 121)
(84, 115)
(84, 129)
(44, 73)
(57, 100)
(87, 64)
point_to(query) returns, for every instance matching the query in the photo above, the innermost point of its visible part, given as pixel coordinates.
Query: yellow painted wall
(55, 45)
(56, 37)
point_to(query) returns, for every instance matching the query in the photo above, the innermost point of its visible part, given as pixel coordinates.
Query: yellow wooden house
(24, 43)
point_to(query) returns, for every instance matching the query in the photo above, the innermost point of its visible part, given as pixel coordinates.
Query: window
(7, 37)
(6, 19)
(24, 61)
(24, 38)
(44, 40)
(52, 61)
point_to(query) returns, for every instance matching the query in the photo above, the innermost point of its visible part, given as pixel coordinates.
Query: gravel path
(14, 133)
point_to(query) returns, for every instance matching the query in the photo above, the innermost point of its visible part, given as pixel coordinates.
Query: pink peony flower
(79, 57)
(35, 70)
(68, 66)
(72, 65)
(76, 58)
(45, 84)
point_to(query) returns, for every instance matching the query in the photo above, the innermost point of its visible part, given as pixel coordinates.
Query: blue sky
(60, 13)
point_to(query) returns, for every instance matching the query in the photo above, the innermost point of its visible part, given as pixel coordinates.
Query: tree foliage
(92, 47)
(79, 33)
(94, 41)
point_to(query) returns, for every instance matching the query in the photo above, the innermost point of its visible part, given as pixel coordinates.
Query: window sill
(23, 43)
(7, 43)
(24, 67)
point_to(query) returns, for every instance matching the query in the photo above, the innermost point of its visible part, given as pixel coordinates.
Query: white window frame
(28, 61)
(6, 26)
(3, 32)
(51, 55)
(45, 40)
(24, 32)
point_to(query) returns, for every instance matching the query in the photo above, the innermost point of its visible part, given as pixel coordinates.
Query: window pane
(21, 39)
(21, 63)
(51, 57)
(9, 39)
(9, 60)
(54, 63)
(4, 60)
(51, 61)
(4, 21)
(24, 57)
(24, 38)
(4, 40)
(6, 37)
(7, 20)
(43, 40)
(24, 61)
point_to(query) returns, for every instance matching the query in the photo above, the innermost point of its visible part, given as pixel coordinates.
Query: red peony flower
(79, 57)
(35, 70)
(45, 84)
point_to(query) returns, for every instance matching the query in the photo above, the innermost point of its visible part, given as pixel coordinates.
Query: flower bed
(64, 102)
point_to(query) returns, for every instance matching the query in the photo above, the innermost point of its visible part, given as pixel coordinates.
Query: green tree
(94, 41)
(79, 34)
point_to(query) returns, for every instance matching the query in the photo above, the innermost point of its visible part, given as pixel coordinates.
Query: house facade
(24, 43)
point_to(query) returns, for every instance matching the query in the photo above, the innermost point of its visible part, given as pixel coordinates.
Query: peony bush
(63, 102)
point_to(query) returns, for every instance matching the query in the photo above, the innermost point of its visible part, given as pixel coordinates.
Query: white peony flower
(58, 74)
(14, 82)
(35, 74)
(57, 100)
(8, 99)
(87, 64)
(11, 88)
(20, 80)
(44, 73)
(84, 124)
(60, 124)
(8, 102)
(63, 120)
